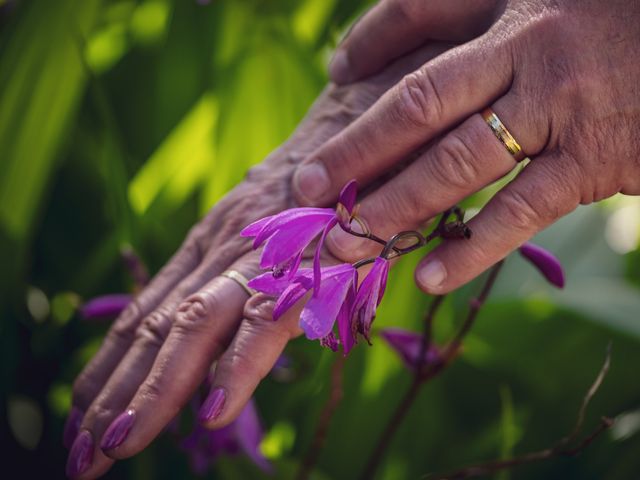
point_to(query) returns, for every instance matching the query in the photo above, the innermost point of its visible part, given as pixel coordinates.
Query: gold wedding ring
(240, 279)
(502, 133)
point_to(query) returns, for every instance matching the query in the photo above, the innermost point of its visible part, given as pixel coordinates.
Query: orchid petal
(249, 435)
(319, 314)
(545, 261)
(290, 297)
(292, 238)
(345, 329)
(295, 264)
(408, 345)
(267, 283)
(285, 218)
(369, 296)
(105, 306)
(254, 228)
(316, 258)
(348, 195)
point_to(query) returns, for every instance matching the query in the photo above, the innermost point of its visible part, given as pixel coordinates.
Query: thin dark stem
(560, 449)
(422, 374)
(443, 229)
(427, 331)
(405, 404)
(489, 468)
(474, 308)
(333, 400)
(389, 431)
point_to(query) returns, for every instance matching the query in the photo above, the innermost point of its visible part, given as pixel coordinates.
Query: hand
(161, 348)
(562, 75)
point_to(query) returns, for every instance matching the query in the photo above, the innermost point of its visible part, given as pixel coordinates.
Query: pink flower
(241, 436)
(106, 306)
(332, 303)
(287, 234)
(408, 345)
(369, 297)
(546, 262)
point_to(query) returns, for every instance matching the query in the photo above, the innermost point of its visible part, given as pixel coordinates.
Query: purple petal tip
(546, 262)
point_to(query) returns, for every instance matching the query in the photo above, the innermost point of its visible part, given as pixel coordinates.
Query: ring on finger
(502, 133)
(240, 279)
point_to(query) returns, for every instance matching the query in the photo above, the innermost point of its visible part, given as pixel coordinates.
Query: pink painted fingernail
(432, 275)
(213, 405)
(71, 426)
(118, 430)
(312, 181)
(81, 454)
(340, 68)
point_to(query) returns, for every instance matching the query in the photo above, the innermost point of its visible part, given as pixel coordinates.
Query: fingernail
(213, 405)
(81, 454)
(432, 275)
(340, 67)
(345, 242)
(71, 426)
(118, 430)
(312, 181)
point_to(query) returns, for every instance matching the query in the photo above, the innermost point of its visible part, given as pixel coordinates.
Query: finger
(393, 28)
(204, 326)
(545, 191)
(254, 351)
(423, 104)
(149, 335)
(119, 338)
(467, 159)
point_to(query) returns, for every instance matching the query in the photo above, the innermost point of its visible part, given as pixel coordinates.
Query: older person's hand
(563, 76)
(161, 348)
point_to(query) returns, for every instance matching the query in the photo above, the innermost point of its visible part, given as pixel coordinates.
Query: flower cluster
(334, 293)
(335, 297)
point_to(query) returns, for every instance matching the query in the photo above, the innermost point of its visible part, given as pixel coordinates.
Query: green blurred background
(122, 122)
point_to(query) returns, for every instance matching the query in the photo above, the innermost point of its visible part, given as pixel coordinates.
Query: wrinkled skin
(161, 348)
(562, 75)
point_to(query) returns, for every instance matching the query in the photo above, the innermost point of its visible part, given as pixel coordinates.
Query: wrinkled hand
(161, 348)
(562, 75)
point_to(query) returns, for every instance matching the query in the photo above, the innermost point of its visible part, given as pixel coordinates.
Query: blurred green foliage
(122, 122)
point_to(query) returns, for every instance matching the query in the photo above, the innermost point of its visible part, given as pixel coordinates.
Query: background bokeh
(122, 122)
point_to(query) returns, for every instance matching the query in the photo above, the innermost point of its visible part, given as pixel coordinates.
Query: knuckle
(155, 327)
(454, 163)
(419, 101)
(523, 214)
(195, 311)
(152, 389)
(403, 207)
(100, 414)
(123, 330)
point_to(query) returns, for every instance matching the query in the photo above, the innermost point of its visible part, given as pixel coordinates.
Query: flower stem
(560, 449)
(405, 404)
(334, 399)
(422, 375)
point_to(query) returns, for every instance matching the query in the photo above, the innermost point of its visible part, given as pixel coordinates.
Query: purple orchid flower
(289, 233)
(241, 436)
(105, 306)
(369, 297)
(545, 261)
(333, 303)
(408, 345)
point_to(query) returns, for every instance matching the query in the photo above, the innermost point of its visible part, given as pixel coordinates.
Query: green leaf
(184, 158)
(41, 80)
